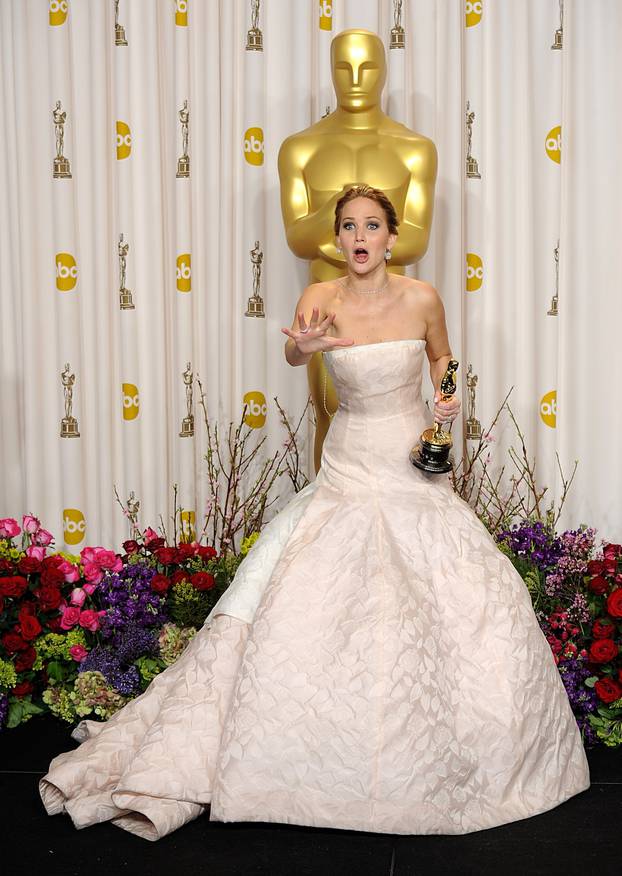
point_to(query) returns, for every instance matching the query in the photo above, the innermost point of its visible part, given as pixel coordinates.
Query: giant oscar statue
(357, 143)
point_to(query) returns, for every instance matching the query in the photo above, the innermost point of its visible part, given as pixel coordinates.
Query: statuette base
(255, 307)
(473, 430)
(398, 38)
(125, 300)
(254, 40)
(472, 170)
(69, 428)
(187, 427)
(119, 36)
(559, 38)
(61, 168)
(183, 166)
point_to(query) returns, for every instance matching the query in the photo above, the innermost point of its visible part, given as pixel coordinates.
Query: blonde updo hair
(365, 191)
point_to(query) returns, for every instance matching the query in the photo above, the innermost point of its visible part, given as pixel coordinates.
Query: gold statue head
(359, 69)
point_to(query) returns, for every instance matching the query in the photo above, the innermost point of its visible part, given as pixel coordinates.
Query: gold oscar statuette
(254, 37)
(554, 309)
(558, 42)
(398, 35)
(61, 169)
(255, 302)
(183, 163)
(69, 424)
(119, 30)
(431, 453)
(133, 505)
(125, 295)
(473, 425)
(356, 143)
(187, 424)
(472, 169)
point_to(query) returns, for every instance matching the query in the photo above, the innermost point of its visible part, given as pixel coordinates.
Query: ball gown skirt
(376, 663)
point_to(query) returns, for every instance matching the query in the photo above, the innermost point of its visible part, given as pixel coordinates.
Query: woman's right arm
(310, 324)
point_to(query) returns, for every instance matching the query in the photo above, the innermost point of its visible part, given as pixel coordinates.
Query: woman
(376, 663)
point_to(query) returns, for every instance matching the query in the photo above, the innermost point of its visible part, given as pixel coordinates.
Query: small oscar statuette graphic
(254, 37)
(398, 36)
(183, 163)
(187, 424)
(555, 299)
(119, 30)
(473, 425)
(133, 506)
(69, 424)
(326, 112)
(255, 302)
(61, 164)
(558, 42)
(125, 295)
(471, 163)
(431, 453)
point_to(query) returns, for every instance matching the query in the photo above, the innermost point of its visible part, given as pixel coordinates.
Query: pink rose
(109, 560)
(149, 534)
(71, 572)
(9, 528)
(71, 616)
(36, 552)
(78, 652)
(89, 588)
(30, 524)
(43, 537)
(93, 573)
(89, 620)
(78, 596)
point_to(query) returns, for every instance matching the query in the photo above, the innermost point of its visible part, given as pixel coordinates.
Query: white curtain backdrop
(188, 266)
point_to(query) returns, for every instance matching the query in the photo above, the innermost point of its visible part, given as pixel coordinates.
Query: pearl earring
(338, 248)
(387, 254)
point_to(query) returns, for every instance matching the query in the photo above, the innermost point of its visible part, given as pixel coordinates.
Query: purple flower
(129, 601)
(534, 542)
(125, 681)
(583, 700)
(4, 709)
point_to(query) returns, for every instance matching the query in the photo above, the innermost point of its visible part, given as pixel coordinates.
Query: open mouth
(360, 254)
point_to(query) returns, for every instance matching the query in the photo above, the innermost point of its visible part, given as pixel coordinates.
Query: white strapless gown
(376, 664)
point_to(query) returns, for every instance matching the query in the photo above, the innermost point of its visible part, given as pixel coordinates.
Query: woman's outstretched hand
(312, 338)
(446, 412)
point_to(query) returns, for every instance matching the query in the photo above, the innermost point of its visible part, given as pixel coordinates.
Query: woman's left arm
(438, 352)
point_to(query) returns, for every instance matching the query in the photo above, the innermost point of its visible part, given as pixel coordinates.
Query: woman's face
(364, 235)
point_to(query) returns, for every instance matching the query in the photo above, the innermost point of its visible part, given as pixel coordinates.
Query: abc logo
(253, 146)
(74, 526)
(183, 272)
(553, 144)
(256, 409)
(181, 13)
(475, 272)
(66, 272)
(131, 404)
(473, 9)
(187, 525)
(124, 140)
(548, 408)
(326, 15)
(58, 12)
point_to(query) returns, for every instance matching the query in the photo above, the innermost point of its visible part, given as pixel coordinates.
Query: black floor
(581, 836)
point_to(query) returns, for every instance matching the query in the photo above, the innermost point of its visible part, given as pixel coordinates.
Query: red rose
(29, 565)
(15, 586)
(54, 624)
(206, 552)
(22, 689)
(603, 629)
(179, 575)
(5, 565)
(155, 544)
(202, 581)
(603, 650)
(1, 604)
(612, 550)
(49, 597)
(29, 626)
(166, 555)
(595, 567)
(131, 547)
(610, 564)
(25, 660)
(51, 576)
(13, 642)
(185, 551)
(614, 602)
(160, 583)
(598, 585)
(608, 690)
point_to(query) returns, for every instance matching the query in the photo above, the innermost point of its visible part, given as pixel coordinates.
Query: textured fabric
(382, 668)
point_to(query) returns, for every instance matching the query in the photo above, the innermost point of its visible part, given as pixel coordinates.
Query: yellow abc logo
(74, 526)
(131, 402)
(326, 15)
(184, 274)
(66, 271)
(473, 10)
(188, 531)
(253, 146)
(58, 12)
(475, 272)
(124, 140)
(181, 13)
(256, 409)
(548, 408)
(553, 144)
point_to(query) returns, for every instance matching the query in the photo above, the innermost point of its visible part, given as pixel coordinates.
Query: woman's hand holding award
(431, 453)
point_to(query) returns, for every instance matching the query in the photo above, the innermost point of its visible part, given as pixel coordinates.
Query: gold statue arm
(414, 229)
